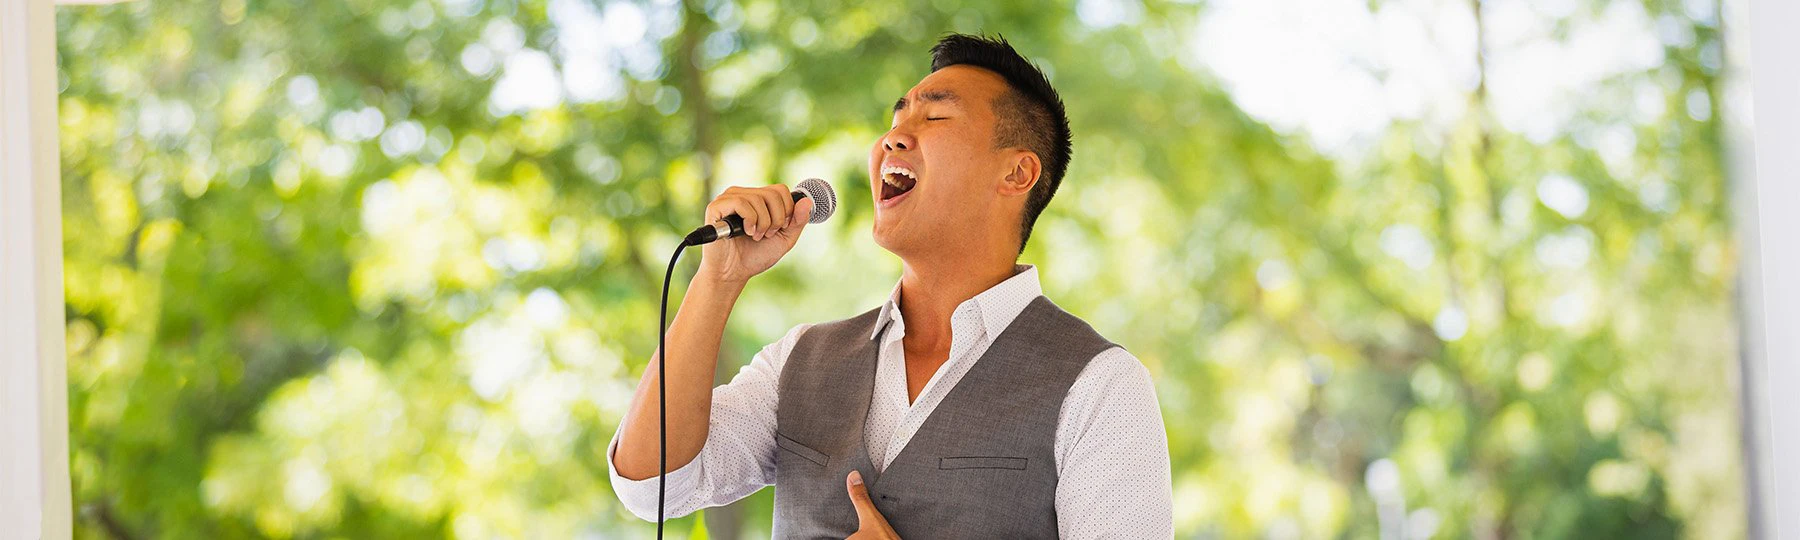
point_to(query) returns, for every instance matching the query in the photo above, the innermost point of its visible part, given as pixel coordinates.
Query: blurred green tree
(385, 269)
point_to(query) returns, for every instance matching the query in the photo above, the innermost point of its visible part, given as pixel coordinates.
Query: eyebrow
(929, 96)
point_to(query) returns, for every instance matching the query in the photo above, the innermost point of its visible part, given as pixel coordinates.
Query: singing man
(966, 406)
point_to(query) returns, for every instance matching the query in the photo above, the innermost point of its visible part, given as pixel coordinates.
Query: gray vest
(983, 465)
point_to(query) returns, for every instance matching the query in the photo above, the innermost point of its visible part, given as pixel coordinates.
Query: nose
(898, 140)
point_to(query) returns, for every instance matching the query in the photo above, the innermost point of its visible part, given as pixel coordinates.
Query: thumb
(797, 221)
(802, 211)
(867, 516)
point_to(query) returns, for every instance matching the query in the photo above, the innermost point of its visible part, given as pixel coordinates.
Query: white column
(1771, 281)
(34, 441)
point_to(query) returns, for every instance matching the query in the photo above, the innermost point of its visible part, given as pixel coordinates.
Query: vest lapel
(869, 354)
(958, 393)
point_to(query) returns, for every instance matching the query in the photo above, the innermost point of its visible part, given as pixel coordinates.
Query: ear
(1026, 168)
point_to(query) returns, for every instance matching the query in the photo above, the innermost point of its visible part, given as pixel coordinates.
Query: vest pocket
(981, 462)
(801, 450)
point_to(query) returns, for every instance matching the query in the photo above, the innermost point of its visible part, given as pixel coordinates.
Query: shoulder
(860, 323)
(1063, 321)
(1110, 368)
(1116, 389)
(805, 340)
(1057, 333)
(1112, 410)
(1116, 368)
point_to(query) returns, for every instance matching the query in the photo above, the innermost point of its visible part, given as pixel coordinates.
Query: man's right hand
(772, 224)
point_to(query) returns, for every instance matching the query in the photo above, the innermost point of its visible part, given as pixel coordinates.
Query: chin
(883, 236)
(895, 241)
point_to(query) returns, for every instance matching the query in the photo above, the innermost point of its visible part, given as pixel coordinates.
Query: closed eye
(939, 118)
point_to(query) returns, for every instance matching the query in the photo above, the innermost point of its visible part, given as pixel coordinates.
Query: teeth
(892, 170)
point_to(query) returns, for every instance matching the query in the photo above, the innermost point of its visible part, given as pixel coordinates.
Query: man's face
(935, 174)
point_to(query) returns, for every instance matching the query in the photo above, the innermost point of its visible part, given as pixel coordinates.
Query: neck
(931, 289)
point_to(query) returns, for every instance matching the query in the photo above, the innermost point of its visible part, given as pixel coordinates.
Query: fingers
(764, 210)
(712, 209)
(764, 215)
(745, 203)
(779, 204)
(795, 224)
(867, 517)
(784, 199)
(733, 202)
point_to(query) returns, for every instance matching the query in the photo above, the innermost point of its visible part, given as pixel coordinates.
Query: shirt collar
(998, 305)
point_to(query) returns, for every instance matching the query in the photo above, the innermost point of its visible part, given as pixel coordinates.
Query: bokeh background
(1401, 268)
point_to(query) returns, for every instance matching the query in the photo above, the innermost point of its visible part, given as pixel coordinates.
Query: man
(967, 405)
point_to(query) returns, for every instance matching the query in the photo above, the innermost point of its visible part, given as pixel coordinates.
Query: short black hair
(1030, 114)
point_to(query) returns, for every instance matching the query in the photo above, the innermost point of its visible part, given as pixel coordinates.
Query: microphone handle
(730, 226)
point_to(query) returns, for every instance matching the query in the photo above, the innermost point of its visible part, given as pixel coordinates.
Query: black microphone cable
(662, 393)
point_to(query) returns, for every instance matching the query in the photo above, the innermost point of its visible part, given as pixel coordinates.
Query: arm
(693, 338)
(738, 457)
(1113, 454)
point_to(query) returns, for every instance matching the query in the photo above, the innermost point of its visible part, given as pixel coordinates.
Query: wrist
(720, 277)
(713, 282)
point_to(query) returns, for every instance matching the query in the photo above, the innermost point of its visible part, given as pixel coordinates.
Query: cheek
(957, 164)
(874, 160)
(963, 151)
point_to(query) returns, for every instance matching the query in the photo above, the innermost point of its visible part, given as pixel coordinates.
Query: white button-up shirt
(1112, 455)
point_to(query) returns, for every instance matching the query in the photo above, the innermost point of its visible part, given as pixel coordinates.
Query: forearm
(693, 344)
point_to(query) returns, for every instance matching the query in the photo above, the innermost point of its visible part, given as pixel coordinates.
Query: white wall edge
(1769, 207)
(34, 444)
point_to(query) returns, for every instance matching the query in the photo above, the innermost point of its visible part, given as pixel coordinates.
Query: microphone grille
(824, 198)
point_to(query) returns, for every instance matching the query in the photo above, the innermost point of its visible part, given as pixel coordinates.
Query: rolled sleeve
(738, 457)
(639, 496)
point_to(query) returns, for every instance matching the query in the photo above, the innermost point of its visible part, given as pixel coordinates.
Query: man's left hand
(870, 524)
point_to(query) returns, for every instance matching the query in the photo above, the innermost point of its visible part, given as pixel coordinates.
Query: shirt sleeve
(1113, 454)
(739, 455)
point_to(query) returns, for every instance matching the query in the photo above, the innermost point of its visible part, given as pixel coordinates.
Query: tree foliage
(347, 269)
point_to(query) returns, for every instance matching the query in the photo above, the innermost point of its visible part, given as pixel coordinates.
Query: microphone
(824, 204)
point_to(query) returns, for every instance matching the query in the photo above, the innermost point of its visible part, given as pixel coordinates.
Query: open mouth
(896, 181)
